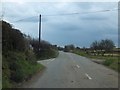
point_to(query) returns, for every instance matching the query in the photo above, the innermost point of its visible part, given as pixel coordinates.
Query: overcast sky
(78, 29)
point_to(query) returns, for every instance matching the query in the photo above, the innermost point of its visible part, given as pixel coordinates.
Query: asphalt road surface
(72, 71)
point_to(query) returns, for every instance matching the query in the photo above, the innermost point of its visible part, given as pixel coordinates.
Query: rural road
(72, 71)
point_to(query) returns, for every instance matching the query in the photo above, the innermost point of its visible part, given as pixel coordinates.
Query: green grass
(17, 68)
(112, 62)
(47, 54)
(109, 61)
(81, 53)
(21, 66)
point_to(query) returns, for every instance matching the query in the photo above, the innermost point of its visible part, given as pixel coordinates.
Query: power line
(65, 14)
(25, 19)
(83, 12)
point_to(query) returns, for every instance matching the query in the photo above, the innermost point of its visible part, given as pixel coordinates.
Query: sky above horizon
(78, 29)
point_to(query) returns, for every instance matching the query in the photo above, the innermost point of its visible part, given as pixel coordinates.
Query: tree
(46, 49)
(12, 39)
(95, 45)
(107, 45)
(78, 48)
(60, 48)
(103, 46)
(68, 48)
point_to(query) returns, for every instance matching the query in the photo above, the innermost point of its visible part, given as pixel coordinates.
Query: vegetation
(46, 50)
(16, 68)
(103, 50)
(109, 61)
(60, 48)
(100, 47)
(19, 56)
(69, 48)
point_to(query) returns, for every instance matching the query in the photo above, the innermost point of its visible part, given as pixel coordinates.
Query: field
(110, 60)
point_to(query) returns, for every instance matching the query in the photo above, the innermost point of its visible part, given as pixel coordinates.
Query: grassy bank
(109, 61)
(20, 54)
(18, 68)
(46, 50)
(47, 54)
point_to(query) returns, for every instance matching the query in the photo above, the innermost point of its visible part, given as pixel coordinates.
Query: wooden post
(39, 31)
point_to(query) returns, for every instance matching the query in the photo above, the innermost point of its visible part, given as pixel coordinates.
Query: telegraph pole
(39, 31)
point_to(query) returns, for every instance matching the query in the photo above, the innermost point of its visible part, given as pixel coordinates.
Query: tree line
(102, 46)
(14, 40)
(20, 53)
(106, 45)
(97, 47)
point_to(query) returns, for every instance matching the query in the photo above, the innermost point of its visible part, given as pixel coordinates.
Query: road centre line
(78, 66)
(88, 76)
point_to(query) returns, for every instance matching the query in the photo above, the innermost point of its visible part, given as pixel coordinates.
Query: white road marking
(52, 59)
(46, 61)
(78, 66)
(38, 61)
(88, 76)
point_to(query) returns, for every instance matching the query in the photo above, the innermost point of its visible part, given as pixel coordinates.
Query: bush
(12, 39)
(112, 62)
(108, 62)
(16, 68)
(114, 66)
(6, 83)
(47, 50)
(19, 62)
(5, 74)
(47, 53)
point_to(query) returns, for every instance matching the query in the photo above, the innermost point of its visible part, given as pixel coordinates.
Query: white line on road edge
(78, 66)
(52, 59)
(88, 76)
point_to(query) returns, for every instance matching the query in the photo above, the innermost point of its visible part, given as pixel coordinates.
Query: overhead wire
(65, 14)
(107, 10)
(25, 19)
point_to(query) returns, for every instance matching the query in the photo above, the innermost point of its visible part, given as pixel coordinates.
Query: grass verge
(47, 54)
(17, 68)
(112, 62)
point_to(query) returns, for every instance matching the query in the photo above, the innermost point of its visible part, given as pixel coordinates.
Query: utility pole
(39, 31)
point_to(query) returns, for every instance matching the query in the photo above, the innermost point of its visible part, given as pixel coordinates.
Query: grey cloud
(80, 29)
(83, 5)
(94, 18)
(65, 27)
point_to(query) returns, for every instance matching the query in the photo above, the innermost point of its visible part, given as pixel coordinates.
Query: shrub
(16, 68)
(108, 62)
(5, 74)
